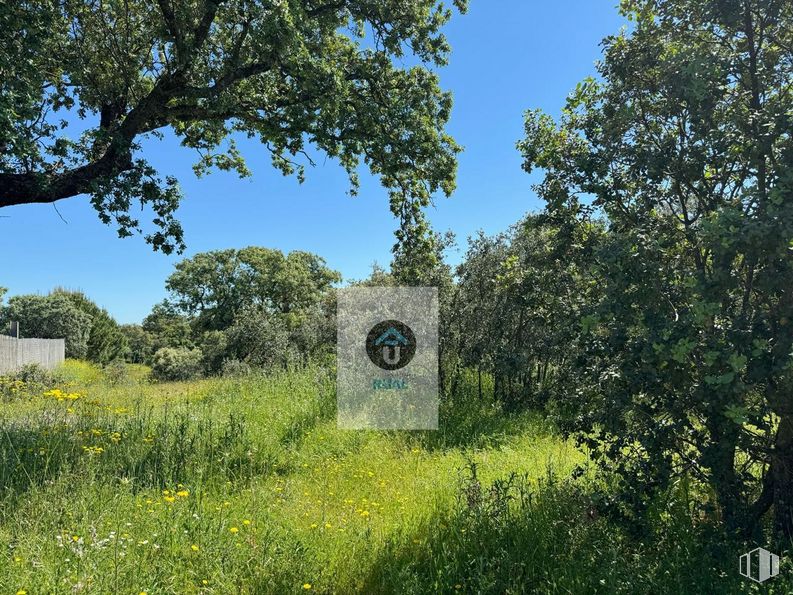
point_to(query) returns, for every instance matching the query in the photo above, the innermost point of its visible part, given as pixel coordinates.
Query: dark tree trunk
(782, 466)
(725, 482)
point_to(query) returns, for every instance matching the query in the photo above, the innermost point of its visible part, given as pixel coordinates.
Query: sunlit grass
(246, 485)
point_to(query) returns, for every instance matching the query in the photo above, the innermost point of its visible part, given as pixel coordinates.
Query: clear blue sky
(508, 56)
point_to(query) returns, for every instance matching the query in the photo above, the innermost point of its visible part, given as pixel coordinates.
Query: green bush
(234, 368)
(180, 363)
(116, 372)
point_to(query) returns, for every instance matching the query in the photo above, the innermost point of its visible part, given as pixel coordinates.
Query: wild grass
(111, 484)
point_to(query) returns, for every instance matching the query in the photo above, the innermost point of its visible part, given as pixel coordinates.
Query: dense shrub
(53, 316)
(234, 368)
(140, 343)
(178, 363)
(214, 346)
(259, 338)
(116, 372)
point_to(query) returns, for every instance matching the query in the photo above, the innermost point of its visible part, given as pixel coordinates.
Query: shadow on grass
(509, 538)
(475, 424)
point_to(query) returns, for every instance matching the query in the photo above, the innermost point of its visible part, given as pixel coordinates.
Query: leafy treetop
(297, 75)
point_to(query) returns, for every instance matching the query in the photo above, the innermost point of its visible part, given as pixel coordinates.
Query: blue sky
(508, 56)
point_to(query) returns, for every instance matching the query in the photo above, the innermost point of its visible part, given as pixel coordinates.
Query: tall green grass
(116, 485)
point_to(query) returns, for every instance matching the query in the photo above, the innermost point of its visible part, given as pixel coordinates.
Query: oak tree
(303, 77)
(685, 365)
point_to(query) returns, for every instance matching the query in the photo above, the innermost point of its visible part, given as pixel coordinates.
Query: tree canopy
(300, 76)
(90, 332)
(215, 286)
(683, 366)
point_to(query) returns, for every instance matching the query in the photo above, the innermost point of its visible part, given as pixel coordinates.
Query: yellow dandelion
(307, 586)
(234, 530)
(246, 522)
(183, 493)
(194, 547)
(169, 499)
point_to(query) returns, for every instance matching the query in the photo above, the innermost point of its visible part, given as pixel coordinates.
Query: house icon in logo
(759, 565)
(391, 341)
(392, 338)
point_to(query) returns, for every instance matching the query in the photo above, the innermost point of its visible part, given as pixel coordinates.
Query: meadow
(113, 484)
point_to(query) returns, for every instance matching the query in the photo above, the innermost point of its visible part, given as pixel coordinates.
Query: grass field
(117, 485)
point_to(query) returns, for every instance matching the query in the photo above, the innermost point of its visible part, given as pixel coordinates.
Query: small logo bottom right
(759, 565)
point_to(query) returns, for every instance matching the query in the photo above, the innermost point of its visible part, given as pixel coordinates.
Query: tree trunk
(782, 465)
(725, 481)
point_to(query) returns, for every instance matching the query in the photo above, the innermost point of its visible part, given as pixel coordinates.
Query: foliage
(259, 338)
(90, 332)
(233, 368)
(518, 301)
(299, 77)
(176, 363)
(116, 372)
(167, 328)
(245, 484)
(683, 364)
(140, 343)
(106, 342)
(215, 350)
(215, 286)
(28, 381)
(53, 316)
